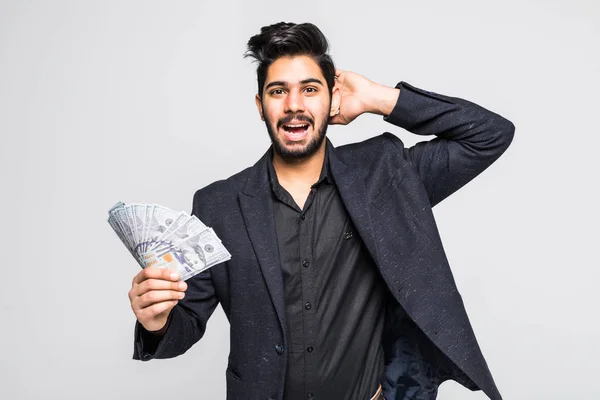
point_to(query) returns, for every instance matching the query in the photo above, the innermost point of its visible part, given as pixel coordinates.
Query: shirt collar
(324, 177)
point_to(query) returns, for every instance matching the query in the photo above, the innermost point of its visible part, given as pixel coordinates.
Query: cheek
(272, 118)
(271, 113)
(319, 111)
(318, 105)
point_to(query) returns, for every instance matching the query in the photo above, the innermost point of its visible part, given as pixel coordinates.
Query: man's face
(296, 106)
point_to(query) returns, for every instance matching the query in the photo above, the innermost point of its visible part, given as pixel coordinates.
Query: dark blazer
(389, 192)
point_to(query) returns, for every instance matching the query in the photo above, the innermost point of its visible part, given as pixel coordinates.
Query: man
(338, 286)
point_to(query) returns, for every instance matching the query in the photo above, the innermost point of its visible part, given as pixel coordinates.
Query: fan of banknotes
(159, 237)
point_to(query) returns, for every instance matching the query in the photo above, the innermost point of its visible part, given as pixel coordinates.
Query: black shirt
(334, 297)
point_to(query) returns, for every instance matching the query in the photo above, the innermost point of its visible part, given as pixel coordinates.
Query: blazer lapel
(256, 204)
(351, 186)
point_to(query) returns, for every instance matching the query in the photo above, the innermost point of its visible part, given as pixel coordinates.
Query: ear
(336, 98)
(259, 106)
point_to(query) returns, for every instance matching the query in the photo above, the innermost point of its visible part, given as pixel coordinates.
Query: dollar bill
(118, 222)
(131, 222)
(159, 237)
(180, 220)
(160, 221)
(139, 215)
(189, 228)
(190, 256)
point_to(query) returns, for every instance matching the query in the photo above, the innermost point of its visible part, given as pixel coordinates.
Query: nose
(294, 102)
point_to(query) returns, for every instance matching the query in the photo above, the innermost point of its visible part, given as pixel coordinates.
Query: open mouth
(295, 129)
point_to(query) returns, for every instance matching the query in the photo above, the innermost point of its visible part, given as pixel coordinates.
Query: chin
(297, 149)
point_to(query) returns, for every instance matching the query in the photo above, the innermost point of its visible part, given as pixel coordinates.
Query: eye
(276, 91)
(311, 89)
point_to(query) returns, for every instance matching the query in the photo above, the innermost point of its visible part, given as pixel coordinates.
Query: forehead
(294, 69)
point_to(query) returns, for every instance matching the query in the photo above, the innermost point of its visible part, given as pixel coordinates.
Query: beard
(297, 152)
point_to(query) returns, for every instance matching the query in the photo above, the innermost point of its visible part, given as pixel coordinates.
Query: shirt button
(309, 349)
(308, 306)
(303, 217)
(348, 235)
(311, 396)
(279, 349)
(305, 263)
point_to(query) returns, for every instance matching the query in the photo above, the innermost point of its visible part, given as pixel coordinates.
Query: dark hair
(286, 39)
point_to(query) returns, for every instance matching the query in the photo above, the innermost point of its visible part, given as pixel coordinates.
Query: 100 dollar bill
(190, 256)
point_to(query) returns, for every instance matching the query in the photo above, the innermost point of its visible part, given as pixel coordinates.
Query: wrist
(382, 99)
(157, 329)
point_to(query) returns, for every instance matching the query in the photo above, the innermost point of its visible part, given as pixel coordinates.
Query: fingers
(155, 285)
(155, 273)
(154, 292)
(154, 297)
(158, 284)
(149, 286)
(150, 313)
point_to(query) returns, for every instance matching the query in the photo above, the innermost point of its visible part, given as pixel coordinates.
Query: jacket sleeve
(469, 138)
(187, 321)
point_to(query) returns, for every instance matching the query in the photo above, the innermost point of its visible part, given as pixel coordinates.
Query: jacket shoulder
(376, 152)
(221, 192)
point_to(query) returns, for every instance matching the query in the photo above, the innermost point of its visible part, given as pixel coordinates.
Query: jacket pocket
(233, 372)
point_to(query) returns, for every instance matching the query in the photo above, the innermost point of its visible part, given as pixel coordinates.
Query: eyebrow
(302, 82)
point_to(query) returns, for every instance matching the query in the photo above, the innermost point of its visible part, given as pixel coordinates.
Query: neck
(304, 170)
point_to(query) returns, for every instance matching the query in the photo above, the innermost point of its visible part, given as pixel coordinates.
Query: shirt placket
(308, 273)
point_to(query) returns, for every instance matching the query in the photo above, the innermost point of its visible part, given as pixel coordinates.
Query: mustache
(297, 117)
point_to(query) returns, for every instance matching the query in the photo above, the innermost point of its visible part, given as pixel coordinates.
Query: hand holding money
(154, 292)
(170, 247)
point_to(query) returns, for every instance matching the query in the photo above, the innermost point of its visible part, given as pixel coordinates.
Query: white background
(147, 101)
